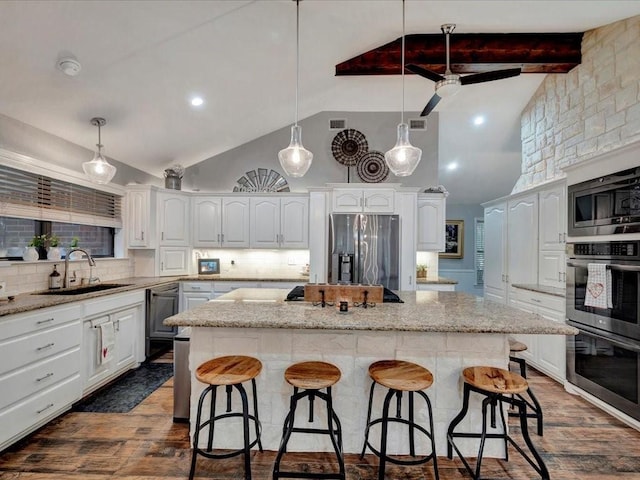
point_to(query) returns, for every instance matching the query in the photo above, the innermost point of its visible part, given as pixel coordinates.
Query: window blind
(479, 250)
(29, 195)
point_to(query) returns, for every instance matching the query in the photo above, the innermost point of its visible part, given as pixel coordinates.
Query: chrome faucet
(92, 263)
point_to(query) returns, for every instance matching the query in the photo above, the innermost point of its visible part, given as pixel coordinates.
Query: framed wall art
(453, 239)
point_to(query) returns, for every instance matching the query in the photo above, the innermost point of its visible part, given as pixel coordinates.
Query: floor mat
(129, 390)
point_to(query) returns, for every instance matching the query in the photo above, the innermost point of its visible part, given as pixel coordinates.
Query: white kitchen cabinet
(553, 217)
(431, 222)
(126, 311)
(174, 261)
(279, 222)
(235, 222)
(141, 209)
(511, 245)
(207, 222)
(546, 353)
(495, 252)
(40, 369)
(173, 219)
(126, 323)
(366, 200)
(221, 222)
(194, 293)
(522, 239)
(553, 235)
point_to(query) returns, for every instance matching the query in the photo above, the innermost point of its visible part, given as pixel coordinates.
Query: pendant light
(403, 158)
(99, 170)
(295, 159)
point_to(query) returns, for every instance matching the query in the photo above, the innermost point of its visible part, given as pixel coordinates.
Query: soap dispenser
(55, 280)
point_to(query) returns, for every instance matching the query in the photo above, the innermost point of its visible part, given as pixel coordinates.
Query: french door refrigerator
(364, 249)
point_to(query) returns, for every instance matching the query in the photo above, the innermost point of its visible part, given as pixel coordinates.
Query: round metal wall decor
(372, 168)
(348, 146)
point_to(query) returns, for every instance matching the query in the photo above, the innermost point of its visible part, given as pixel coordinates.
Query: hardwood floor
(580, 442)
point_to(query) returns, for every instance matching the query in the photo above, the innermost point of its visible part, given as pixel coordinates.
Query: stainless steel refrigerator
(364, 249)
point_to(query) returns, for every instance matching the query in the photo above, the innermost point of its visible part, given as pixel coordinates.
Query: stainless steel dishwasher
(181, 376)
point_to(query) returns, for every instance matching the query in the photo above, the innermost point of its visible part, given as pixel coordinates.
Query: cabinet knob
(142, 233)
(45, 408)
(46, 320)
(44, 347)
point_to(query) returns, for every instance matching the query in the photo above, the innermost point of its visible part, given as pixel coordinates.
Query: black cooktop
(297, 294)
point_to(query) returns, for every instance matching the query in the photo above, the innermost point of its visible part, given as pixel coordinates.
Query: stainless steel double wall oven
(604, 358)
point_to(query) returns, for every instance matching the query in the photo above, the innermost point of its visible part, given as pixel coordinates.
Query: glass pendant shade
(403, 158)
(99, 170)
(295, 159)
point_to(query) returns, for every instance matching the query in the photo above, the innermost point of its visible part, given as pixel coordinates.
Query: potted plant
(53, 252)
(74, 244)
(36, 249)
(421, 271)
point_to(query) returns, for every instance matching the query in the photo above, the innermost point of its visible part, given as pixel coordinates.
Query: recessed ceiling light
(197, 101)
(478, 120)
(452, 166)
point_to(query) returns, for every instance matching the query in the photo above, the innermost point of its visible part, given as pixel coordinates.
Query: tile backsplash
(259, 263)
(26, 277)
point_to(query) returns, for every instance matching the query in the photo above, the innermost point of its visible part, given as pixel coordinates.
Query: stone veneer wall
(593, 109)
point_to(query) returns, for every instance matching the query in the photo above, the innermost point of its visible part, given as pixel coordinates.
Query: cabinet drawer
(548, 301)
(38, 376)
(37, 409)
(26, 349)
(22, 323)
(197, 287)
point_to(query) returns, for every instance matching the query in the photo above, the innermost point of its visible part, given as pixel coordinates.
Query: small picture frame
(453, 239)
(208, 266)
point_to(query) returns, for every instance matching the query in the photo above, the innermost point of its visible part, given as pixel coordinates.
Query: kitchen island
(443, 331)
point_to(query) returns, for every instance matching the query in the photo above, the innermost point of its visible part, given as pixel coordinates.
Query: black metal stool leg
(433, 440)
(458, 418)
(383, 438)
(335, 436)
(412, 439)
(245, 428)
(255, 413)
(366, 430)
(541, 467)
(286, 433)
(212, 414)
(197, 431)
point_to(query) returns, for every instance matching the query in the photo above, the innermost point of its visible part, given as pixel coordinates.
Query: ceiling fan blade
(489, 76)
(423, 72)
(431, 105)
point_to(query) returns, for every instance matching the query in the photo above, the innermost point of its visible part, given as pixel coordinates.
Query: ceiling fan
(449, 83)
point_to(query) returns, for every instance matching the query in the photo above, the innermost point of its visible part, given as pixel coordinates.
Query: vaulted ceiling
(142, 61)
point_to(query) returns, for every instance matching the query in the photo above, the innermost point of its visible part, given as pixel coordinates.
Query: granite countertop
(423, 311)
(535, 287)
(26, 302)
(437, 281)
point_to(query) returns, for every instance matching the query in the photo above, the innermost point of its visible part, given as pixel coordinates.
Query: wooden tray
(337, 293)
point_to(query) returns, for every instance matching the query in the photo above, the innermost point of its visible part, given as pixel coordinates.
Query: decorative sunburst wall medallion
(262, 180)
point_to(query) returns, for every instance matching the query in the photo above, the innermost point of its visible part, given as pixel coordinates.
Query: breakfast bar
(442, 331)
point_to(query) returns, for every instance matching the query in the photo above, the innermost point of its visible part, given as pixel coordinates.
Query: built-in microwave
(605, 205)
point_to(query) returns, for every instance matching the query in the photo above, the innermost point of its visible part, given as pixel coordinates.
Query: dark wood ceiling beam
(472, 53)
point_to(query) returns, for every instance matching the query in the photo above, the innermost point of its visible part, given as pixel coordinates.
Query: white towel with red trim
(598, 292)
(107, 342)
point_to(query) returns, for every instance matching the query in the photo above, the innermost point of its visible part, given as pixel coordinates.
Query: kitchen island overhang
(442, 331)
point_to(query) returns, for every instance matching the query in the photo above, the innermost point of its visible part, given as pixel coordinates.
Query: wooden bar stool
(399, 376)
(534, 406)
(498, 386)
(231, 371)
(307, 379)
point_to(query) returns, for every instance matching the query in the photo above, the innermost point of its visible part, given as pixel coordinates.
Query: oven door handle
(611, 266)
(603, 336)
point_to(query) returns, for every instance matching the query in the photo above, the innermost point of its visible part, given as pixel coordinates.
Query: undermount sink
(86, 289)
